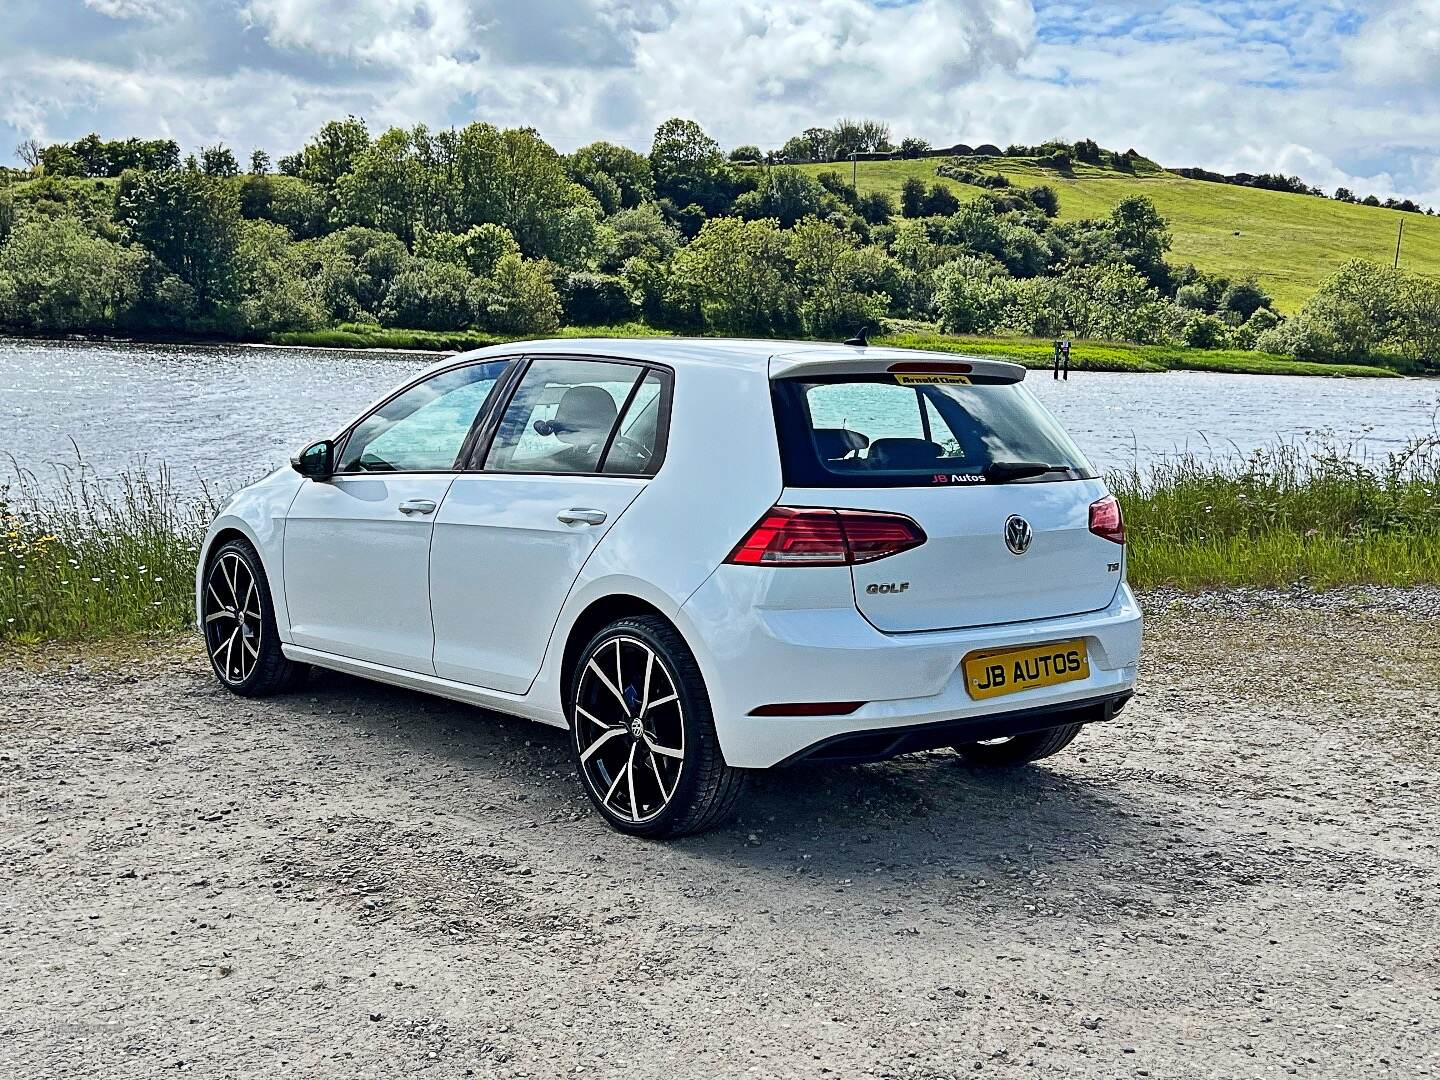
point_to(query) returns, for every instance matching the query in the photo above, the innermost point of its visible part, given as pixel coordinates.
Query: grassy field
(117, 559)
(1290, 242)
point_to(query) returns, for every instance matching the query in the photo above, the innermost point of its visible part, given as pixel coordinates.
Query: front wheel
(1018, 749)
(644, 736)
(239, 622)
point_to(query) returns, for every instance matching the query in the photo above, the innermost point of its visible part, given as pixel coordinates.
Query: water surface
(226, 414)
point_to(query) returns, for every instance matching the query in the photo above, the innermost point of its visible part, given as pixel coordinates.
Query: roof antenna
(859, 338)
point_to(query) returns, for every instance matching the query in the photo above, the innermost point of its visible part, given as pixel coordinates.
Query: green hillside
(1289, 242)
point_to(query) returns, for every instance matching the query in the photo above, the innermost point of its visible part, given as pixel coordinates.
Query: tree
(190, 223)
(57, 277)
(747, 154)
(428, 295)
(628, 170)
(272, 290)
(1243, 298)
(30, 153)
(940, 201)
(913, 147)
(737, 278)
(259, 162)
(353, 270)
(642, 233)
(912, 197)
(689, 167)
(1141, 236)
(786, 194)
(518, 298)
(478, 250)
(836, 290)
(218, 160)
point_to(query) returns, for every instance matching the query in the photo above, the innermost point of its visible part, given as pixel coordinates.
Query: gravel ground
(1237, 877)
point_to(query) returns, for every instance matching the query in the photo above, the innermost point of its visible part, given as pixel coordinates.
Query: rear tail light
(822, 537)
(1106, 520)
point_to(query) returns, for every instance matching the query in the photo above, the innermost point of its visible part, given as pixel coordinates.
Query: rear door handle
(579, 515)
(418, 506)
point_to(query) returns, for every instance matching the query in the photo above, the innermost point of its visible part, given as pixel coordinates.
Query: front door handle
(578, 515)
(418, 506)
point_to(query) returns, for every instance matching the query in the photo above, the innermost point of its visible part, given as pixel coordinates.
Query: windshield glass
(902, 430)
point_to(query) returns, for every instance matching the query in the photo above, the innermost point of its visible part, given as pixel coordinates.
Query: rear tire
(644, 736)
(1018, 749)
(238, 619)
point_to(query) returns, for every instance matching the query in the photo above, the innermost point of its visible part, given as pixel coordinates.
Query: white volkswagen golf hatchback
(701, 557)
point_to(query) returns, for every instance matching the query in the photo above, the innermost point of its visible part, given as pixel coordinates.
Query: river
(223, 415)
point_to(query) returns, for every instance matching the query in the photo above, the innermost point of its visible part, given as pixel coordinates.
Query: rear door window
(874, 431)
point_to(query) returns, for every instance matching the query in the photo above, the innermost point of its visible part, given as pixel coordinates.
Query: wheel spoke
(616, 782)
(609, 734)
(605, 679)
(230, 576)
(253, 650)
(630, 774)
(655, 768)
(663, 751)
(666, 700)
(620, 676)
(217, 615)
(596, 720)
(245, 607)
(211, 586)
(645, 686)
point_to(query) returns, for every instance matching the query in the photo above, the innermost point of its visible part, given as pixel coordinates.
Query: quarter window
(566, 417)
(423, 428)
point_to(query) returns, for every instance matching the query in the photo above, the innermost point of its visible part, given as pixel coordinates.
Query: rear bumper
(763, 637)
(856, 747)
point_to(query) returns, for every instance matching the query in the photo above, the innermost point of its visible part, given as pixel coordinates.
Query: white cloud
(1335, 90)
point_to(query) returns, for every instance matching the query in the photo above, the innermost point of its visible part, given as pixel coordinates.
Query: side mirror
(316, 461)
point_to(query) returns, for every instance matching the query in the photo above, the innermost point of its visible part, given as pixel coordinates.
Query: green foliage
(689, 167)
(595, 299)
(627, 170)
(95, 157)
(352, 270)
(428, 295)
(477, 250)
(295, 204)
(641, 232)
(912, 197)
(191, 223)
(274, 292)
(735, 275)
(786, 194)
(57, 276)
(1364, 311)
(517, 299)
(1205, 332)
(218, 160)
(837, 287)
(7, 214)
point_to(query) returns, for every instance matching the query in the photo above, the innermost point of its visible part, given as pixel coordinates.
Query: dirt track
(1238, 877)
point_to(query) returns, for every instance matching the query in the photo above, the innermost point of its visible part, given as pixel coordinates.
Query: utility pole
(1397, 243)
(855, 172)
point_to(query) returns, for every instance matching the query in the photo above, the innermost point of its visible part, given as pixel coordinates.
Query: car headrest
(835, 443)
(584, 416)
(903, 453)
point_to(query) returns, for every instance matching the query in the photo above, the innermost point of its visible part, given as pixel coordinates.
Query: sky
(1339, 92)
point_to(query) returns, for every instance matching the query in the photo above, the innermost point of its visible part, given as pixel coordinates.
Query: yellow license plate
(993, 672)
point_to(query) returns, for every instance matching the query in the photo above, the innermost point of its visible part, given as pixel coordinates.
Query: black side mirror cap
(316, 461)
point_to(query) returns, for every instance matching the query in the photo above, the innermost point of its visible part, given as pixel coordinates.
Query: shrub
(517, 299)
(428, 295)
(736, 277)
(595, 299)
(1204, 332)
(940, 201)
(56, 276)
(971, 295)
(1244, 298)
(912, 197)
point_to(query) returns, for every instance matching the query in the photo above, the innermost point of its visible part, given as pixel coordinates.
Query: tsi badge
(886, 587)
(1017, 534)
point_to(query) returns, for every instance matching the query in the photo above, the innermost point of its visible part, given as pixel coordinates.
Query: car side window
(424, 428)
(565, 417)
(637, 440)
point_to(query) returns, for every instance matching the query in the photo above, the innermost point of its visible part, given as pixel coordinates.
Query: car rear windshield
(887, 430)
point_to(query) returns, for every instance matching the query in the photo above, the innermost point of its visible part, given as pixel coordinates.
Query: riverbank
(93, 559)
(1111, 356)
(358, 880)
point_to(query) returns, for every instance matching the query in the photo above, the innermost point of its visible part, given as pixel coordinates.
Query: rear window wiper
(1000, 472)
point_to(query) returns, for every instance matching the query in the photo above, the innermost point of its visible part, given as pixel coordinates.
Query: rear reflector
(1107, 521)
(808, 708)
(910, 367)
(822, 537)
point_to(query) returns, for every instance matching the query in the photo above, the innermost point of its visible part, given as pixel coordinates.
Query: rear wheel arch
(597, 615)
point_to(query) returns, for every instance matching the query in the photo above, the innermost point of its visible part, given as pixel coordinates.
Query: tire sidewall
(270, 638)
(695, 713)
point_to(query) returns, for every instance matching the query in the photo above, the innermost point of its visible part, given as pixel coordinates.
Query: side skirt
(512, 704)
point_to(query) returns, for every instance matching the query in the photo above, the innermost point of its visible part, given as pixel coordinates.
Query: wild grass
(361, 336)
(85, 558)
(1310, 514)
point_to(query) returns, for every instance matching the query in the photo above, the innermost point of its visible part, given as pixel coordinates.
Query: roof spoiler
(906, 365)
